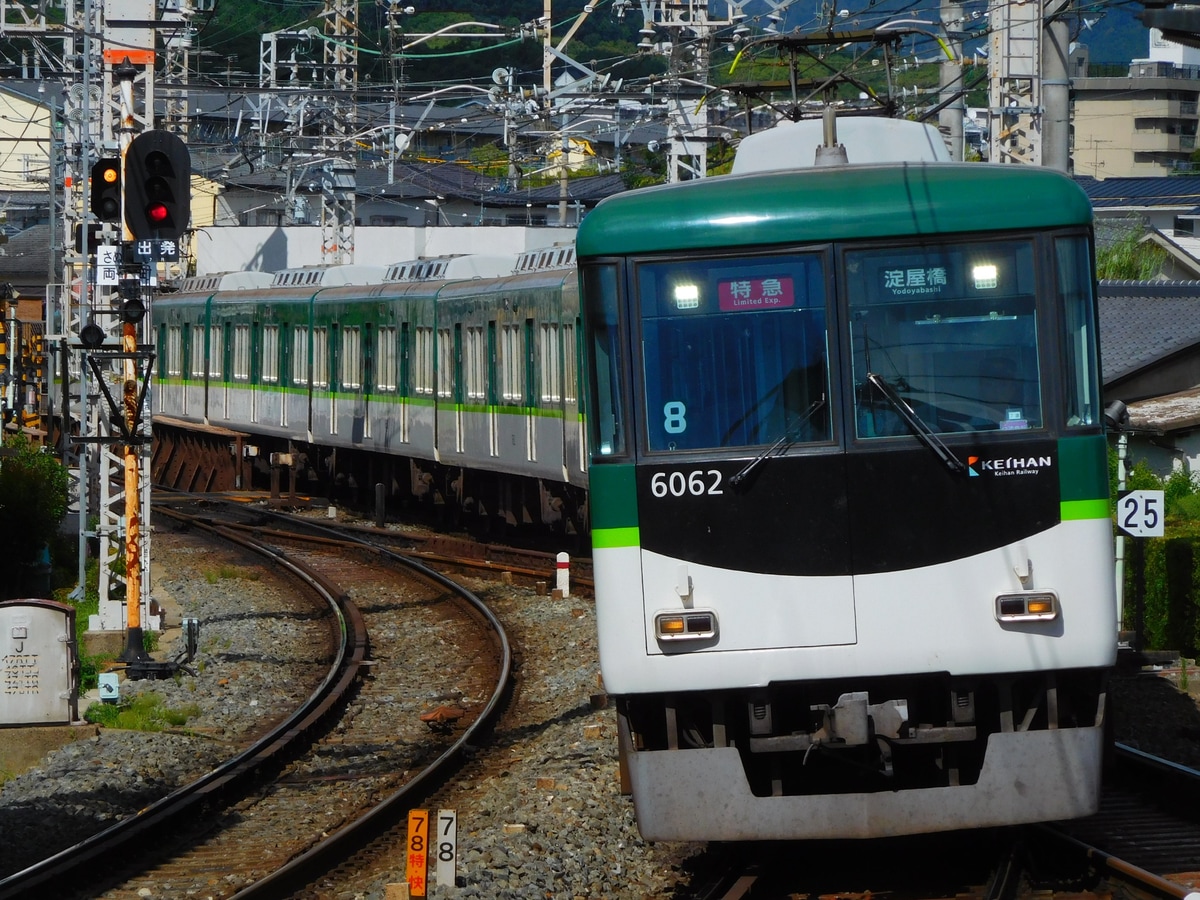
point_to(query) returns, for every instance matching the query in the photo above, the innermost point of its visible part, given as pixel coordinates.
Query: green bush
(33, 501)
(144, 712)
(1162, 575)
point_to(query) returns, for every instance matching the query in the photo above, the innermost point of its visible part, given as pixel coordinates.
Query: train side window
(445, 364)
(270, 354)
(952, 328)
(550, 386)
(300, 355)
(241, 353)
(423, 363)
(607, 361)
(350, 362)
(511, 364)
(174, 351)
(199, 362)
(320, 364)
(388, 370)
(1079, 317)
(216, 353)
(474, 367)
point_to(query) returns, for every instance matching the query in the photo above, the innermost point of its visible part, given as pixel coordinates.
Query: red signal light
(157, 212)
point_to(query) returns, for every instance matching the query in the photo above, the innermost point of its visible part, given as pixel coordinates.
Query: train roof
(447, 268)
(868, 140)
(834, 203)
(225, 281)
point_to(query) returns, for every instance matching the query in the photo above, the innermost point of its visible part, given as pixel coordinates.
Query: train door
(459, 388)
(185, 366)
(406, 384)
(366, 349)
(528, 400)
(489, 373)
(225, 365)
(577, 400)
(335, 354)
(285, 370)
(266, 375)
(255, 364)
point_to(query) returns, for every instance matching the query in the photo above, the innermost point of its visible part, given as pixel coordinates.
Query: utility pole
(950, 119)
(337, 176)
(1029, 87)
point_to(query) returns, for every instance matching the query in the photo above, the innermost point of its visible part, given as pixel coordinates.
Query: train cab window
(606, 424)
(952, 330)
(735, 352)
(1079, 314)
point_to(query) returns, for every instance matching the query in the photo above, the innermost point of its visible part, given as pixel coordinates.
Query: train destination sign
(741, 294)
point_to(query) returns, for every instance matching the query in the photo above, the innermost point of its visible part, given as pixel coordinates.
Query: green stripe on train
(1083, 509)
(612, 538)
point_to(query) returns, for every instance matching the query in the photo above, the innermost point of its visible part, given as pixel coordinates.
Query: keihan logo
(1012, 465)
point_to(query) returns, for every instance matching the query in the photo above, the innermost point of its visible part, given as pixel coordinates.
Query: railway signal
(132, 307)
(106, 189)
(158, 171)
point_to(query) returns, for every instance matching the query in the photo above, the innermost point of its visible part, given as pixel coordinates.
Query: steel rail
(388, 813)
(1183, 778)
(65, 866)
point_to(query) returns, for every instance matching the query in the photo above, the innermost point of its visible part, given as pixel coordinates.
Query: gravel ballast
(550, 822)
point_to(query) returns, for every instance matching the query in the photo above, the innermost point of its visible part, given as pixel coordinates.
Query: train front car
(852, 546)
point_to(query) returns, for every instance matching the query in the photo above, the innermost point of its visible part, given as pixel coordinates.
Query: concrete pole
(950, 119)
(1056, 87)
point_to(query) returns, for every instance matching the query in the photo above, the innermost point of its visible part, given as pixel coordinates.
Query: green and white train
(852, 545)
(452, 381)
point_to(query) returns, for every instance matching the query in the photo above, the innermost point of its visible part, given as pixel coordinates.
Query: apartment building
(1143, 123)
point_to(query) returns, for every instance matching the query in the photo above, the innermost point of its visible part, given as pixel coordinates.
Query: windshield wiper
(918, 425)
(789, 437)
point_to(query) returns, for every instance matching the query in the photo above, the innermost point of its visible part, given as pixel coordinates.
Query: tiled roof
(26, 254)
(1143, 322)
(1112, 193)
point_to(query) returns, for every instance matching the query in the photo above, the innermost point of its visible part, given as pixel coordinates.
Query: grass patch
(145, 712)
(228, 572)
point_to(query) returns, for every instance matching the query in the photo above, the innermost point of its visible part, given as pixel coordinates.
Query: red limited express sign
(755, 293)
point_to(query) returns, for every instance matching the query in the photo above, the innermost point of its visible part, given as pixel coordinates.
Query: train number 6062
(696, 483)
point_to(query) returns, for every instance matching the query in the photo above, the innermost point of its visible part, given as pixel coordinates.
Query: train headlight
(694, 625)
(1027, 606)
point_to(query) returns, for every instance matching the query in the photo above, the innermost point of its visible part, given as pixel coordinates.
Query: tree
(33, 501)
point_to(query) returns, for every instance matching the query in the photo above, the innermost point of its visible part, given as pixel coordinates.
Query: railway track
(457, 552)
(1147, 832)
(345, 766)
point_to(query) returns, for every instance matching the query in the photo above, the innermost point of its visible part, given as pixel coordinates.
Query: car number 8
(677, 484)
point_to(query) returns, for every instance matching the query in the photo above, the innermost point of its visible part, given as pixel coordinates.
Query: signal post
(148, 192)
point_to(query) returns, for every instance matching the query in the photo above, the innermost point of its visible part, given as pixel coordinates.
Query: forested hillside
(228, 39)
